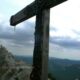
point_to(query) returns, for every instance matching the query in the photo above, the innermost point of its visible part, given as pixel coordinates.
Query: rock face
(6, 58)
(10, 69)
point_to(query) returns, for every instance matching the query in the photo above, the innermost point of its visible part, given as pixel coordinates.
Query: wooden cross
(40, 8)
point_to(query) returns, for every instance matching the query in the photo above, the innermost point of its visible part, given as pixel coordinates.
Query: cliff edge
(11, 69)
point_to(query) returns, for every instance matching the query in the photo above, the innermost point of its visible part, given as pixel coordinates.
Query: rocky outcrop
(10, 69)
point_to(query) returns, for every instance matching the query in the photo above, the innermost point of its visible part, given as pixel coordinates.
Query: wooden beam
(30, 10)
(24, 14)
(41, 47)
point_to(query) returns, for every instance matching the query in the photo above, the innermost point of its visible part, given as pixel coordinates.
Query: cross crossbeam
(30, 10)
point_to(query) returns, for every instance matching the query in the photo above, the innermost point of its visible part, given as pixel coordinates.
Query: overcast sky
(64, 29)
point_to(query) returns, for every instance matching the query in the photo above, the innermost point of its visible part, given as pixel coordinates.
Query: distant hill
(61, 69)
(64, 69)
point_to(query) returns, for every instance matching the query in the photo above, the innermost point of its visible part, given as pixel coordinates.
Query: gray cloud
(24, 36)
(76, 32)
(66, 42)
(53, 29)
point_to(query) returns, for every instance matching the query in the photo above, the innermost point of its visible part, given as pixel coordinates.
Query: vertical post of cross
(41, 46)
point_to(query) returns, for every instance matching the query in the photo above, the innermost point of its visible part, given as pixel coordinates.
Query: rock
(10, 69)
(6, 58)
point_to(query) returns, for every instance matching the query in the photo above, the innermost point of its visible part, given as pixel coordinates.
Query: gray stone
(10, 69)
